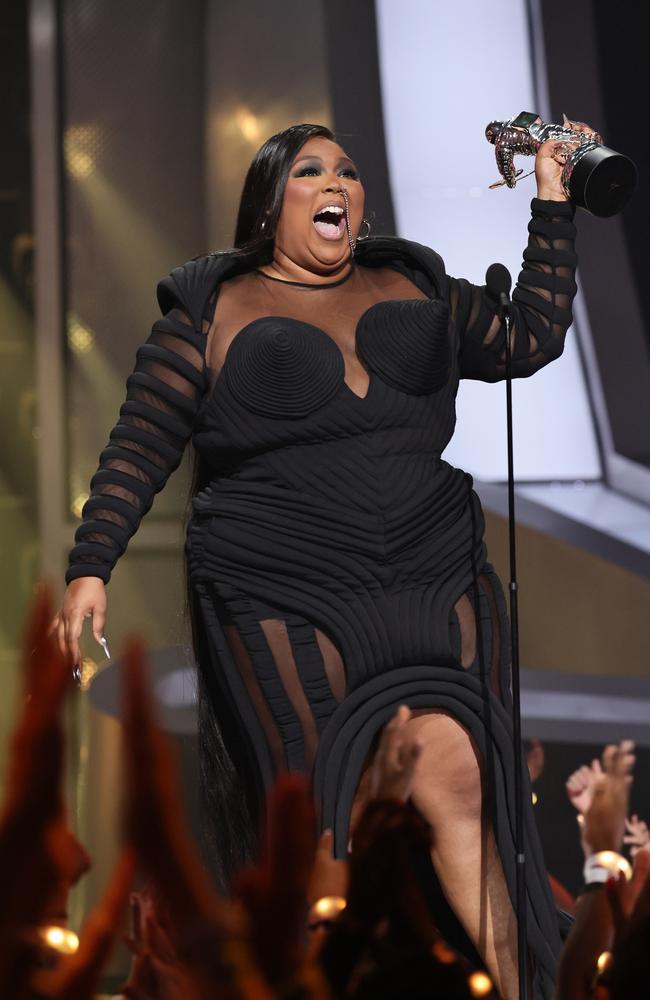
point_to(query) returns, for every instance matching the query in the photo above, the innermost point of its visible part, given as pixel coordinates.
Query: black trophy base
(603, 181)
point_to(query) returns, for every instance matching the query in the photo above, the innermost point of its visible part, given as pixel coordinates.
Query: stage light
(480, 985)
(78, 503)
(80, 338)
(534, 797)
(249, 125)
(81, 146)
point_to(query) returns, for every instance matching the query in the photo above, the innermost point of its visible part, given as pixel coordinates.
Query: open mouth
(329, 222)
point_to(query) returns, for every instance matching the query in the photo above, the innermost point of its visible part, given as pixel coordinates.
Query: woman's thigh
(448, 778)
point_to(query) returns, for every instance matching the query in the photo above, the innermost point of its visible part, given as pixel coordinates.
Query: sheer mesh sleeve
(146, 445)
(541, 302)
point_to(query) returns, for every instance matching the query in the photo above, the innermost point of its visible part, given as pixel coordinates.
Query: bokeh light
(328, 907)
(249, 125)
(480, 984)
(443, 953)
(81, 147)
(604, 959)
(81, 338)
(59, 939)
(78, 503)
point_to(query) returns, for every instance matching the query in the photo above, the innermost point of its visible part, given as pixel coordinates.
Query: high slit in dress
(336, 562)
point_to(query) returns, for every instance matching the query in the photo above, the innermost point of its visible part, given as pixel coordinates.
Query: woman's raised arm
(541, 302)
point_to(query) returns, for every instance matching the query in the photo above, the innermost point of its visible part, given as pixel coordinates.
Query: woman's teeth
(329, 222)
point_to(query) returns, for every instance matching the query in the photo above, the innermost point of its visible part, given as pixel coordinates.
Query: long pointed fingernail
(103, 643)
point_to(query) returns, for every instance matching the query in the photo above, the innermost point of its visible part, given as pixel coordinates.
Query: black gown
(334, 558)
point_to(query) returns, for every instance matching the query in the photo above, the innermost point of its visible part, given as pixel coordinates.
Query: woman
(335, 562)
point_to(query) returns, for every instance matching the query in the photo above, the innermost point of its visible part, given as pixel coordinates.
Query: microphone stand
(522, 937)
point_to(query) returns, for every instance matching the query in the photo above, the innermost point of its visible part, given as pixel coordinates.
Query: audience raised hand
(191, 943)
(156, 970)
(394, 764)
(604, 820)
(580, 785)
(602, 832)
(384, 944)
(628, 972)
(389, 778)
(39, 856)
(207, 935)
(205, 947)
(638, 836)
(274, 892)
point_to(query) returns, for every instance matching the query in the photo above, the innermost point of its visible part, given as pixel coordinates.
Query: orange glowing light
(480, 985)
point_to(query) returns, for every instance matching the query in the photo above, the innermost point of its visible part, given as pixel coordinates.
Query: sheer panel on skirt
(295, 677)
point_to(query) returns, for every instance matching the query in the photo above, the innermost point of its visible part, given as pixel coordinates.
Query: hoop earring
(359, 238)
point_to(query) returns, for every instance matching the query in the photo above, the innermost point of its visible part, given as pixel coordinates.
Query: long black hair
(261, 198)
(230, 786)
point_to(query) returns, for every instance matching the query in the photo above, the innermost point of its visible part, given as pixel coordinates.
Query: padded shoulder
(382, 250)
(191, 285)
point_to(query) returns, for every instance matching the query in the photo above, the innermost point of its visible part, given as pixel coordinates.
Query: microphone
(498, 283)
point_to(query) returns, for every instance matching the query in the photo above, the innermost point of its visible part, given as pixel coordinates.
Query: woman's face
(318, 173)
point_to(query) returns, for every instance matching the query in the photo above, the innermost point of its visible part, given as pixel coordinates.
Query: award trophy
(593, 176)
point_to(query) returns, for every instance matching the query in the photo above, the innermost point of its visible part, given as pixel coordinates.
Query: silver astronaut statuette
(593, 176)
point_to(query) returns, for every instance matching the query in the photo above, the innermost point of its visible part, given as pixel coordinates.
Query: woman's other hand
(84, 598)
(550, 159)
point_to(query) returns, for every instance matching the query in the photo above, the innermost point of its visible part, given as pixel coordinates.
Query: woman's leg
(448, 793)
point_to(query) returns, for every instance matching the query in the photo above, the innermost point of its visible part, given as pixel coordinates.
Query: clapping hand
(637, 836)
(604, 820)
(580, 785)
(156, 971)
